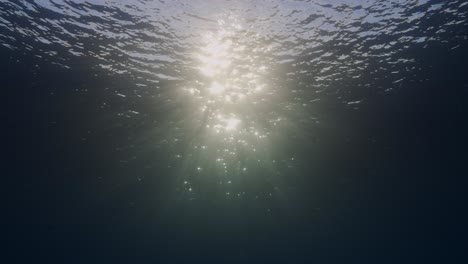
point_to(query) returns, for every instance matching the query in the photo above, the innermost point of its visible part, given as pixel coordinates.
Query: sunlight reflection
(231, 124)
(232, 95)
(216, 88)
(231, 78)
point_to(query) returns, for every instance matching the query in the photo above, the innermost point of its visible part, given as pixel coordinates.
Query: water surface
(296, 121)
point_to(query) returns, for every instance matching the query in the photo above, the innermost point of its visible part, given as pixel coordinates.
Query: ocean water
(234, 131)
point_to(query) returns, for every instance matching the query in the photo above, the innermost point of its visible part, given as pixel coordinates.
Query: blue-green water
(248, 131)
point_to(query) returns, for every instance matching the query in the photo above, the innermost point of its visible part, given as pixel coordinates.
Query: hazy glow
(216, 88)
(230, 79)
(231, 124)
(215, 56)
(229, 95)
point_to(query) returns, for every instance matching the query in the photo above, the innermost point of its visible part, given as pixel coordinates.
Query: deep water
(234, 131)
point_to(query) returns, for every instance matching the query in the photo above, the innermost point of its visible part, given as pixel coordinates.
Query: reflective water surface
(247, 131)
(234, 80)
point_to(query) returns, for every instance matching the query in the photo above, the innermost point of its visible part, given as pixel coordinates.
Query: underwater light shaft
(233, 111)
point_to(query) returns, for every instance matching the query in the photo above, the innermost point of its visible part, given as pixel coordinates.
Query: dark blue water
(234, 131)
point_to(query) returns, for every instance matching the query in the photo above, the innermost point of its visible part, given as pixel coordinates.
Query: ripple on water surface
(234, 78)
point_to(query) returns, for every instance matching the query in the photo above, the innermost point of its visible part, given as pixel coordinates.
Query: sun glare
(231, 80)
(230, 92)
(232, 124)
(216, 88)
